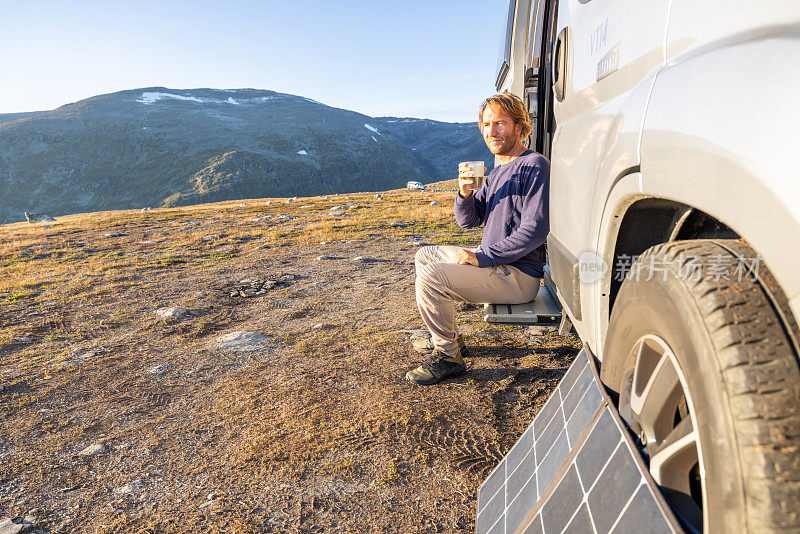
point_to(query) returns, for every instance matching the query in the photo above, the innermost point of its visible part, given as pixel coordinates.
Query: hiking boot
(424, 345)
(436, 368)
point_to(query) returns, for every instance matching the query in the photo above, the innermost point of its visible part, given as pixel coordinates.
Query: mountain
(167, 147)
(8, 117)
(443, 144)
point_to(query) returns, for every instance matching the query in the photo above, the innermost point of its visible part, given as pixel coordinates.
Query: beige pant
(441, 281)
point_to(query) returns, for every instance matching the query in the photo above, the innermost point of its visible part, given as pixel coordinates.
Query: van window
(534, 44)
(504, 56)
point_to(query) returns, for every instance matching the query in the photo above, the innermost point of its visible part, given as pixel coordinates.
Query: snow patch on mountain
(372, 129)
(152, 97)
(302, 152)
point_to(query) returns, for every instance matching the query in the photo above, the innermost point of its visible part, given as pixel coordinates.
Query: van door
(606, 56)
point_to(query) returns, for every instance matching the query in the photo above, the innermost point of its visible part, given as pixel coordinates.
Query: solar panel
(572, 470)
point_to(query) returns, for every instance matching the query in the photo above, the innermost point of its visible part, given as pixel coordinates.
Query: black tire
(731, 345)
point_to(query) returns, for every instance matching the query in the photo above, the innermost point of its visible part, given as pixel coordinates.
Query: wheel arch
(651, 221)
(639, 222)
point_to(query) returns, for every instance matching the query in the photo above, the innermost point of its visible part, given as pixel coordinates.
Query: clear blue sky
(422, 58)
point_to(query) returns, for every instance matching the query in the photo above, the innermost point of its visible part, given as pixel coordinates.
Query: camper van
(674, 252)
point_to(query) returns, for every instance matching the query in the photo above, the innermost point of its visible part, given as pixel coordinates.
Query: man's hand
(465, 179)
(466, 257)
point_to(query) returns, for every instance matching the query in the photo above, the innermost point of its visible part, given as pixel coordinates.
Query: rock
(114, 234)
(130, 487)
(286, 217)
(434, 203)
(91, 450)
(359, 258)
(327, 197)
(156, 370)
(37, 217)
(318, 326)
(417, 334)
(323, 257)
(172, 313)
(290, 199)
(209, 237)
(7, 526)
(242, 341)
(146, 209)
(212, 496)
(420, 243)
(268, 202)
(24, 339)
(398, 224)
(378, 197)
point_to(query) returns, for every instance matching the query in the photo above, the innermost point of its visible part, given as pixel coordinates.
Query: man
(508, 266)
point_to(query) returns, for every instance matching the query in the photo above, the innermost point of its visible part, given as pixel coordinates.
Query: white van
(672, 129)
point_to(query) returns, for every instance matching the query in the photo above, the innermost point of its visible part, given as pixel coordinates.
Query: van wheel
(701, 351)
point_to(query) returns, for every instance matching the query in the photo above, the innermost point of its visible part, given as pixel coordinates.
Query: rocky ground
(239, 367)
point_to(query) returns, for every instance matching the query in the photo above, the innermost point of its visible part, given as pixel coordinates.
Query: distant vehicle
(415, 186)
(671, 127)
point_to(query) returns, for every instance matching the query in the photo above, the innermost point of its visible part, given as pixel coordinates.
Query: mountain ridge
(156, 146)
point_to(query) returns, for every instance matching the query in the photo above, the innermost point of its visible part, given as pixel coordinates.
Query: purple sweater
(513, 205)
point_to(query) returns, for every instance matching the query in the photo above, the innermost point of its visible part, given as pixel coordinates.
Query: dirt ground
(315, 431)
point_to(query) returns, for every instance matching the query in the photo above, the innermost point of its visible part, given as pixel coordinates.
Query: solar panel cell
(581, 523)
(494, 483)
(522, 504)
(566, 498)
(573, 397)
(545, 441)
(518, 478)
(583, 413)
(616, 484)
(642, 510)
(520, 450)
(599, 447)
(490, 513)
(552, 461)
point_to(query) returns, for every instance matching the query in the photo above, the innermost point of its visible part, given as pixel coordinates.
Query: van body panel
(739, 167)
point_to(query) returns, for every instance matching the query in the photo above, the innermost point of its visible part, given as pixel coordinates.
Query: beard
(500, 146)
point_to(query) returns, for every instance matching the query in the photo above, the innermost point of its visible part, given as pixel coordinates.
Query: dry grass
(319, 433)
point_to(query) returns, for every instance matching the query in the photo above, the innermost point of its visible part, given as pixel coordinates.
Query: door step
(544, 310)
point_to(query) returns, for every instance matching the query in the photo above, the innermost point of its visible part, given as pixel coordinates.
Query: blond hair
(508, 104)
